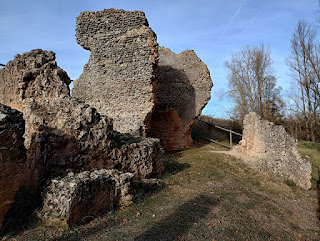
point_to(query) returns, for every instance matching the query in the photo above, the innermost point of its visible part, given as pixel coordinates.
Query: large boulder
(183, 90)
(119, 78)
(274, 150)
(78, 198)
(12, 156)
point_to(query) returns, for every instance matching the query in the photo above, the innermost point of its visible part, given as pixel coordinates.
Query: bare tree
(252, 83)
(304, 64)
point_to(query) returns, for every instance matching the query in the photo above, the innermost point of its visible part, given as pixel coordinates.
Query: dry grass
(208, 196)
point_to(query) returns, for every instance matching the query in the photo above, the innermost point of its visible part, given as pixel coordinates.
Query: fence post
(318, 182)
(230, 139)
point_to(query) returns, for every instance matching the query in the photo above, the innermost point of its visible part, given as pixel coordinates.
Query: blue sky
(213, 28)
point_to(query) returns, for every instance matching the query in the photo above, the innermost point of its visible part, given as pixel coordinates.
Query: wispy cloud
(255, 17)
(230, 21)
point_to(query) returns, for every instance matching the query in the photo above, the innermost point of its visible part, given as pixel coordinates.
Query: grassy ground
(208, 196)
(311, 152)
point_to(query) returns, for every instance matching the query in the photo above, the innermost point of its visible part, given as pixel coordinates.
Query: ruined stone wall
(123, 81)
(76, 197)
(275, 151)
(119, 77)
(63, 133)
(140, 156)
(183, 89)
(34, 74)
(12, 156)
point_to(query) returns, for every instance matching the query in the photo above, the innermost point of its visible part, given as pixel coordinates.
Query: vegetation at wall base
(207, 196)
(311, 151)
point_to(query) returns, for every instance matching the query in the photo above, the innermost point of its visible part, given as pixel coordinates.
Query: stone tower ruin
(146, 89)
(119, 78)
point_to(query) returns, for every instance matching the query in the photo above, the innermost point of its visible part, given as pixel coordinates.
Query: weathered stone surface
(141, 156)
(275, 151)
(34, 74)
(119, 79)
(61, 134)
(77, 197)
(12, 156)
(64, 134)
(183, 89)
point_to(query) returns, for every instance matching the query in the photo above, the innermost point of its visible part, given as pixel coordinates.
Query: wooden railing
(318, 187)
(230, 131)
(318, 172)
(224, 129)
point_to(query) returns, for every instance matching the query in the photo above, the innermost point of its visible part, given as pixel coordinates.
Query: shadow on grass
(142, 190)
(140, 194)
(200, 142)
(86, 231)
(172, 166)
(318, 194)
(179, 222)
(170, 228)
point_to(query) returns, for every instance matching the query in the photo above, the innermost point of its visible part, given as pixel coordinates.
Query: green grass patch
(290, 183)
(311, 152)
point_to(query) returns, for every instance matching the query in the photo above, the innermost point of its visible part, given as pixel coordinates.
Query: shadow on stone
(20, 216)
(174, 113)
(53, 153)
(176, 92)
(179, 222)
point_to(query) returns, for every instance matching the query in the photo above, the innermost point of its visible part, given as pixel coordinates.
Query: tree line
(253, 84)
